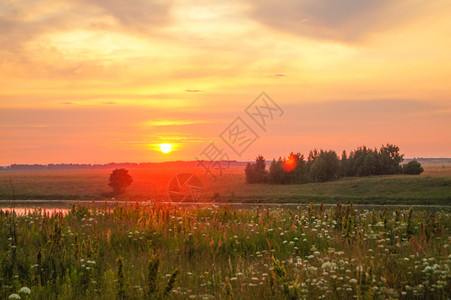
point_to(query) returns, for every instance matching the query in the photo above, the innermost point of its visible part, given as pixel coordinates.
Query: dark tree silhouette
(390, 159)
(325, 167)
(119, 181)
(256, 172)
(276, 172)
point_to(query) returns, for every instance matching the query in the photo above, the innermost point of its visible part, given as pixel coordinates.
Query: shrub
(413, 167)
(119, 180)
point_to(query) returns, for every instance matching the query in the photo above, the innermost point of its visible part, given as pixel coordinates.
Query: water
(26, 210)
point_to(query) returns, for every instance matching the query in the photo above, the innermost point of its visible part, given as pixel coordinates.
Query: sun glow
(165, 148)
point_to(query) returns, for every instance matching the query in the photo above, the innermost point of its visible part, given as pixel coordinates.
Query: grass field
(431, 187)
(153, 252)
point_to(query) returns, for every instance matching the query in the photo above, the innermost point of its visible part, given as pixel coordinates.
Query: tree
(119, 181)
(413, 167)
(325, 167)
(371, 163)
(294, 167)
(256, 172)
(390, 160)
(358, 157)
(276, 172)
(346, 165)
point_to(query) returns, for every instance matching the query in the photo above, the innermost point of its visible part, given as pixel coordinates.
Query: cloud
(25, 20)
(335, 117)
(193, 91)
(138, 14)
(277, 75)
(345, 20)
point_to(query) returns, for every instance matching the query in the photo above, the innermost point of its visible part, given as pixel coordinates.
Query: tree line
(322, 165)
(112, 165)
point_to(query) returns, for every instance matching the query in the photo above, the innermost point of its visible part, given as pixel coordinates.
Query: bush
(413, 167)
(119, 181)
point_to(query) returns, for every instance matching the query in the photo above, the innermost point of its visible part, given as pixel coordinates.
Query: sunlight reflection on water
(26, 210)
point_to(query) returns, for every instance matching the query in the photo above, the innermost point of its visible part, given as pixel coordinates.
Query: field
(431, 187)
(153, 250)
(158, 251)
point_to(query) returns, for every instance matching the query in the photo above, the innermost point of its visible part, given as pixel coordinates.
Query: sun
(165, 148)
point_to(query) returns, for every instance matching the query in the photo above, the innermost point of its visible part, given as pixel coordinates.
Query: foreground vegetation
(154, 251)
(431, 187)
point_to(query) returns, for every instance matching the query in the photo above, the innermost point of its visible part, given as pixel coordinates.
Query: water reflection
(42, 211)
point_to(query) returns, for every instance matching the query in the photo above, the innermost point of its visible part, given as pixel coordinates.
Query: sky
(107, 81)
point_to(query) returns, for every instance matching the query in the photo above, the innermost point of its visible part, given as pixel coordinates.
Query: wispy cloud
(24, 20)
(142, 15)
(345, 20)
(277, 75)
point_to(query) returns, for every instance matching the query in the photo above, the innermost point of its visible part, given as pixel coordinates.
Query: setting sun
(165, 148)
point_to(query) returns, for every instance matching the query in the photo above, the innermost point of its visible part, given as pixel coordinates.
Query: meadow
(431, 187)
(154, 251)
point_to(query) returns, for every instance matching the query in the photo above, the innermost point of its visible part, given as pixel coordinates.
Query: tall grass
(157, 251)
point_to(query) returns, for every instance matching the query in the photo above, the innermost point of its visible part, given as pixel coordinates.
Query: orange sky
(99, 81)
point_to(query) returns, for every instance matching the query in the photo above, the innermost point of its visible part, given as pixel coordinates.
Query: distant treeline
(322, 165)
(169, 164)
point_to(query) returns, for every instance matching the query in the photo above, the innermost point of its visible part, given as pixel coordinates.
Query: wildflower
(14, 297)
(328, 265)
